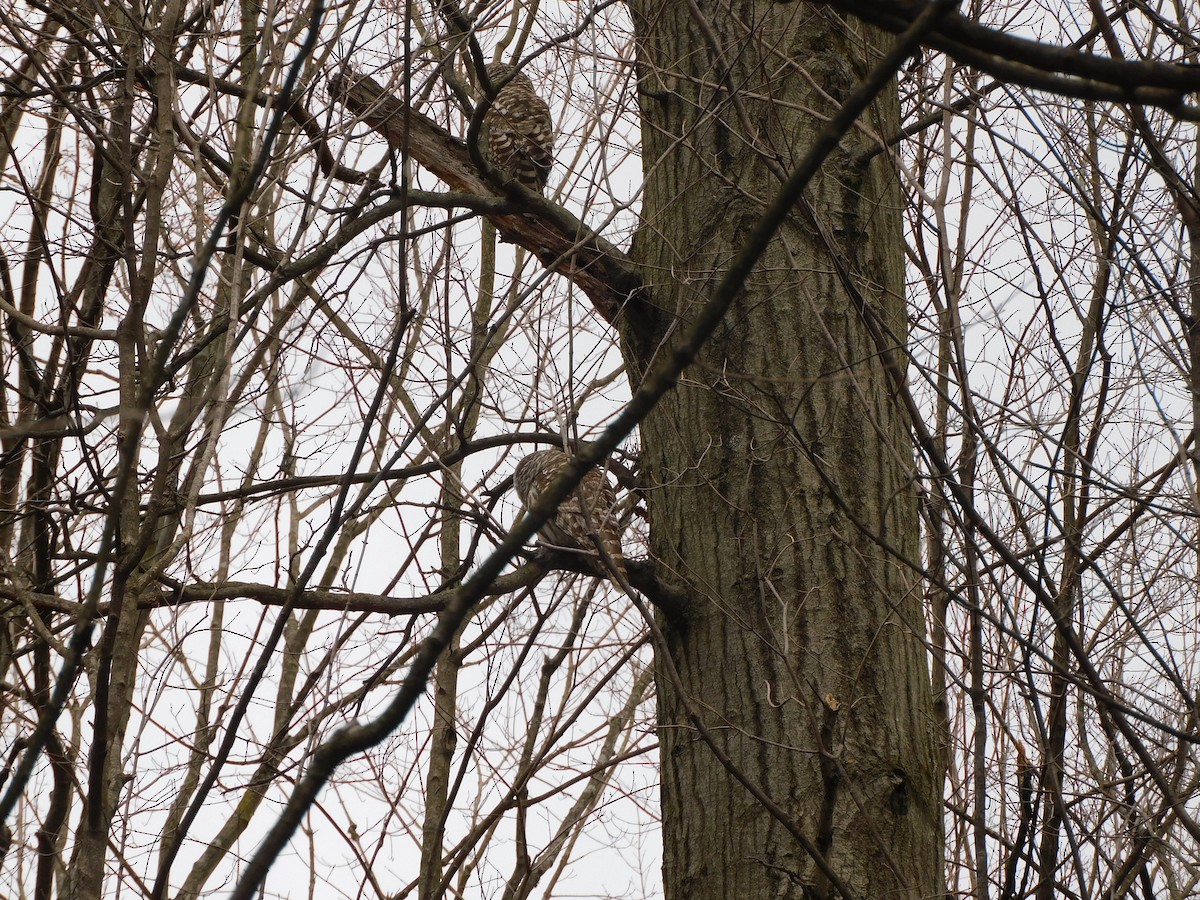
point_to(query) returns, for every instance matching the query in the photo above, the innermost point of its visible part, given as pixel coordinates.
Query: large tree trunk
(778, 474)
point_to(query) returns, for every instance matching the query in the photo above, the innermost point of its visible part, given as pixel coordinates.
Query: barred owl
(586, 519)
(518, 131)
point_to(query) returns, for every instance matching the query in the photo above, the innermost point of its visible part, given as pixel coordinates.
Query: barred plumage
(586, 519)
(518, 132)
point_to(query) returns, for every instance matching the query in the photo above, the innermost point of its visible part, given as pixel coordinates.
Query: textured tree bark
(777, 473)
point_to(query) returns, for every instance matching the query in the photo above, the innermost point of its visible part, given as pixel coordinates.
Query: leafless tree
(883, 316)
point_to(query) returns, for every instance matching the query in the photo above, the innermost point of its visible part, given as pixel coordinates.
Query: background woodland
(273, 344)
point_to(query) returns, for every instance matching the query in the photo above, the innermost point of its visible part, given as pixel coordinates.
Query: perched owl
(518, 134)
(585, 520)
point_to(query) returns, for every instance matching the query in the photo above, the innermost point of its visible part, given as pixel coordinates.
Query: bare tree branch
(1061, 70)
(554, 236)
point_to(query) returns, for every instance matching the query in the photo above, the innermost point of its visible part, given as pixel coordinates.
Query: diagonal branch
(1058, 69)
(560, 241)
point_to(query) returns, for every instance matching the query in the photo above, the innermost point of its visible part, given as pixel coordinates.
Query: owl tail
(612, 560)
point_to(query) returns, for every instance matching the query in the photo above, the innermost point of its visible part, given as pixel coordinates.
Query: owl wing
(520, 134)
